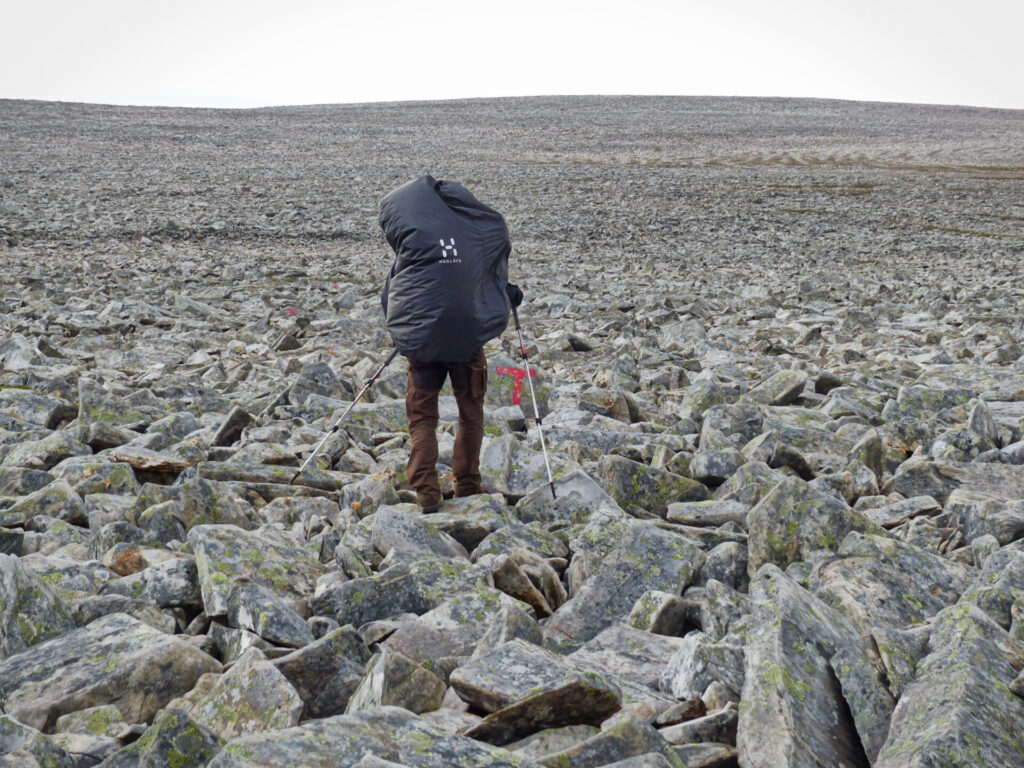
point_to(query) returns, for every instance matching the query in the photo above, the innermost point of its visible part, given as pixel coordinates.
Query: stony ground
(781, 355)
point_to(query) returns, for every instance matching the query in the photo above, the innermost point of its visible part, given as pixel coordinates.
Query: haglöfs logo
(449, 253)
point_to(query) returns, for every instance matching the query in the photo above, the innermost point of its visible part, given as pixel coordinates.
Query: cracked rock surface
(779, 352)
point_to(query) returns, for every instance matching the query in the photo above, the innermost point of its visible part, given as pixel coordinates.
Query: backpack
(444, 297)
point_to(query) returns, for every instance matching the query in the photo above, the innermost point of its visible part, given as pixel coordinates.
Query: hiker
(447, 294)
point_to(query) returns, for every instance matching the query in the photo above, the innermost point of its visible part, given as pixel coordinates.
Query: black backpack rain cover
(445, 295)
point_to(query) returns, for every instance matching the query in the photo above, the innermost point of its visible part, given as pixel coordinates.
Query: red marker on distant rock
(518, 374)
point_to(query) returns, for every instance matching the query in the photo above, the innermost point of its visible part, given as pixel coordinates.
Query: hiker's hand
(515, 296)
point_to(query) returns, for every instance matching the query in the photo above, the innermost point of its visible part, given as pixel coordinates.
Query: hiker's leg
(470, 399)
(421, 410)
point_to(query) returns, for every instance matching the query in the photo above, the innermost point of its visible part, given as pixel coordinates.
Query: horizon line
(396, 102)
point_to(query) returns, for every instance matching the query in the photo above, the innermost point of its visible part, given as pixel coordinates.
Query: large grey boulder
(30, 610)
(406, 532)
(327, 671)
(393, 679)
(625, 741)
(258, 610)
(25, 747)
(780, 388)
(630, 482)
(265, 556)
(46, 452)
(413, 587)
(577, 496)
(959, 708)
(455, 626)
(114, 660)
(812, 690)
(629, 653)
(643, 558)
(793, 520)
(174, 739)
(57, 500)
(251, 697)
(878, 580)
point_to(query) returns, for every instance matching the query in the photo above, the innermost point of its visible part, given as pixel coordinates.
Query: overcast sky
(223, 53)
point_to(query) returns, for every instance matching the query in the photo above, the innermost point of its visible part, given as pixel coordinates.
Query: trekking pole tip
(553, 496)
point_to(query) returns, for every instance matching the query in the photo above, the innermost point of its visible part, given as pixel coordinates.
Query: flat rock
(149, 461)
(406, 531)
(386, 733)
(529, 689)
(780, 388)
(877, 580)
(114, 660)
(630, 482)
(577, 495)
(630, 653)
(265, 557)
(413, 587)
(624, 739)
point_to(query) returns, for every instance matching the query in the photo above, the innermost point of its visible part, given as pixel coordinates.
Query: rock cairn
(780, 355)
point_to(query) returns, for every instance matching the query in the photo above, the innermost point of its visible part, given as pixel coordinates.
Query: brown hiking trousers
(469, 384)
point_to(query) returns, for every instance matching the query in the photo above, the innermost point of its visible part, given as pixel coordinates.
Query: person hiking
(446, 295)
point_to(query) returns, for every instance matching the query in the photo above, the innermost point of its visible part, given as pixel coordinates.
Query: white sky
(225, 53)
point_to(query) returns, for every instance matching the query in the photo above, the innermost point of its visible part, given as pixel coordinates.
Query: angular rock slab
(260, 611)
(414, 587)
(625, 741)
(527, 689)
(793, 520)
(387, 733)
(645, 558)
(940, 478)
(30, 610)
(627, 652)
(174, 739)
(265, 556)
(455, 626)
(58, 499)
(114, 660)
(812, 694)
(251, 697)
(577, 496)
(878, 580)
(24, 747)
(960, 710)
(630, 482)
(514, 672)
(408, 532)
(392, 679)
(327, 671)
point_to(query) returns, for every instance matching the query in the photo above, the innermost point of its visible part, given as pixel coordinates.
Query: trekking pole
(533, 396)
(334, 427)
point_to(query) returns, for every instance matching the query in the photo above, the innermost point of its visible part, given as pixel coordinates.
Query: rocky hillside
(780, 353)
